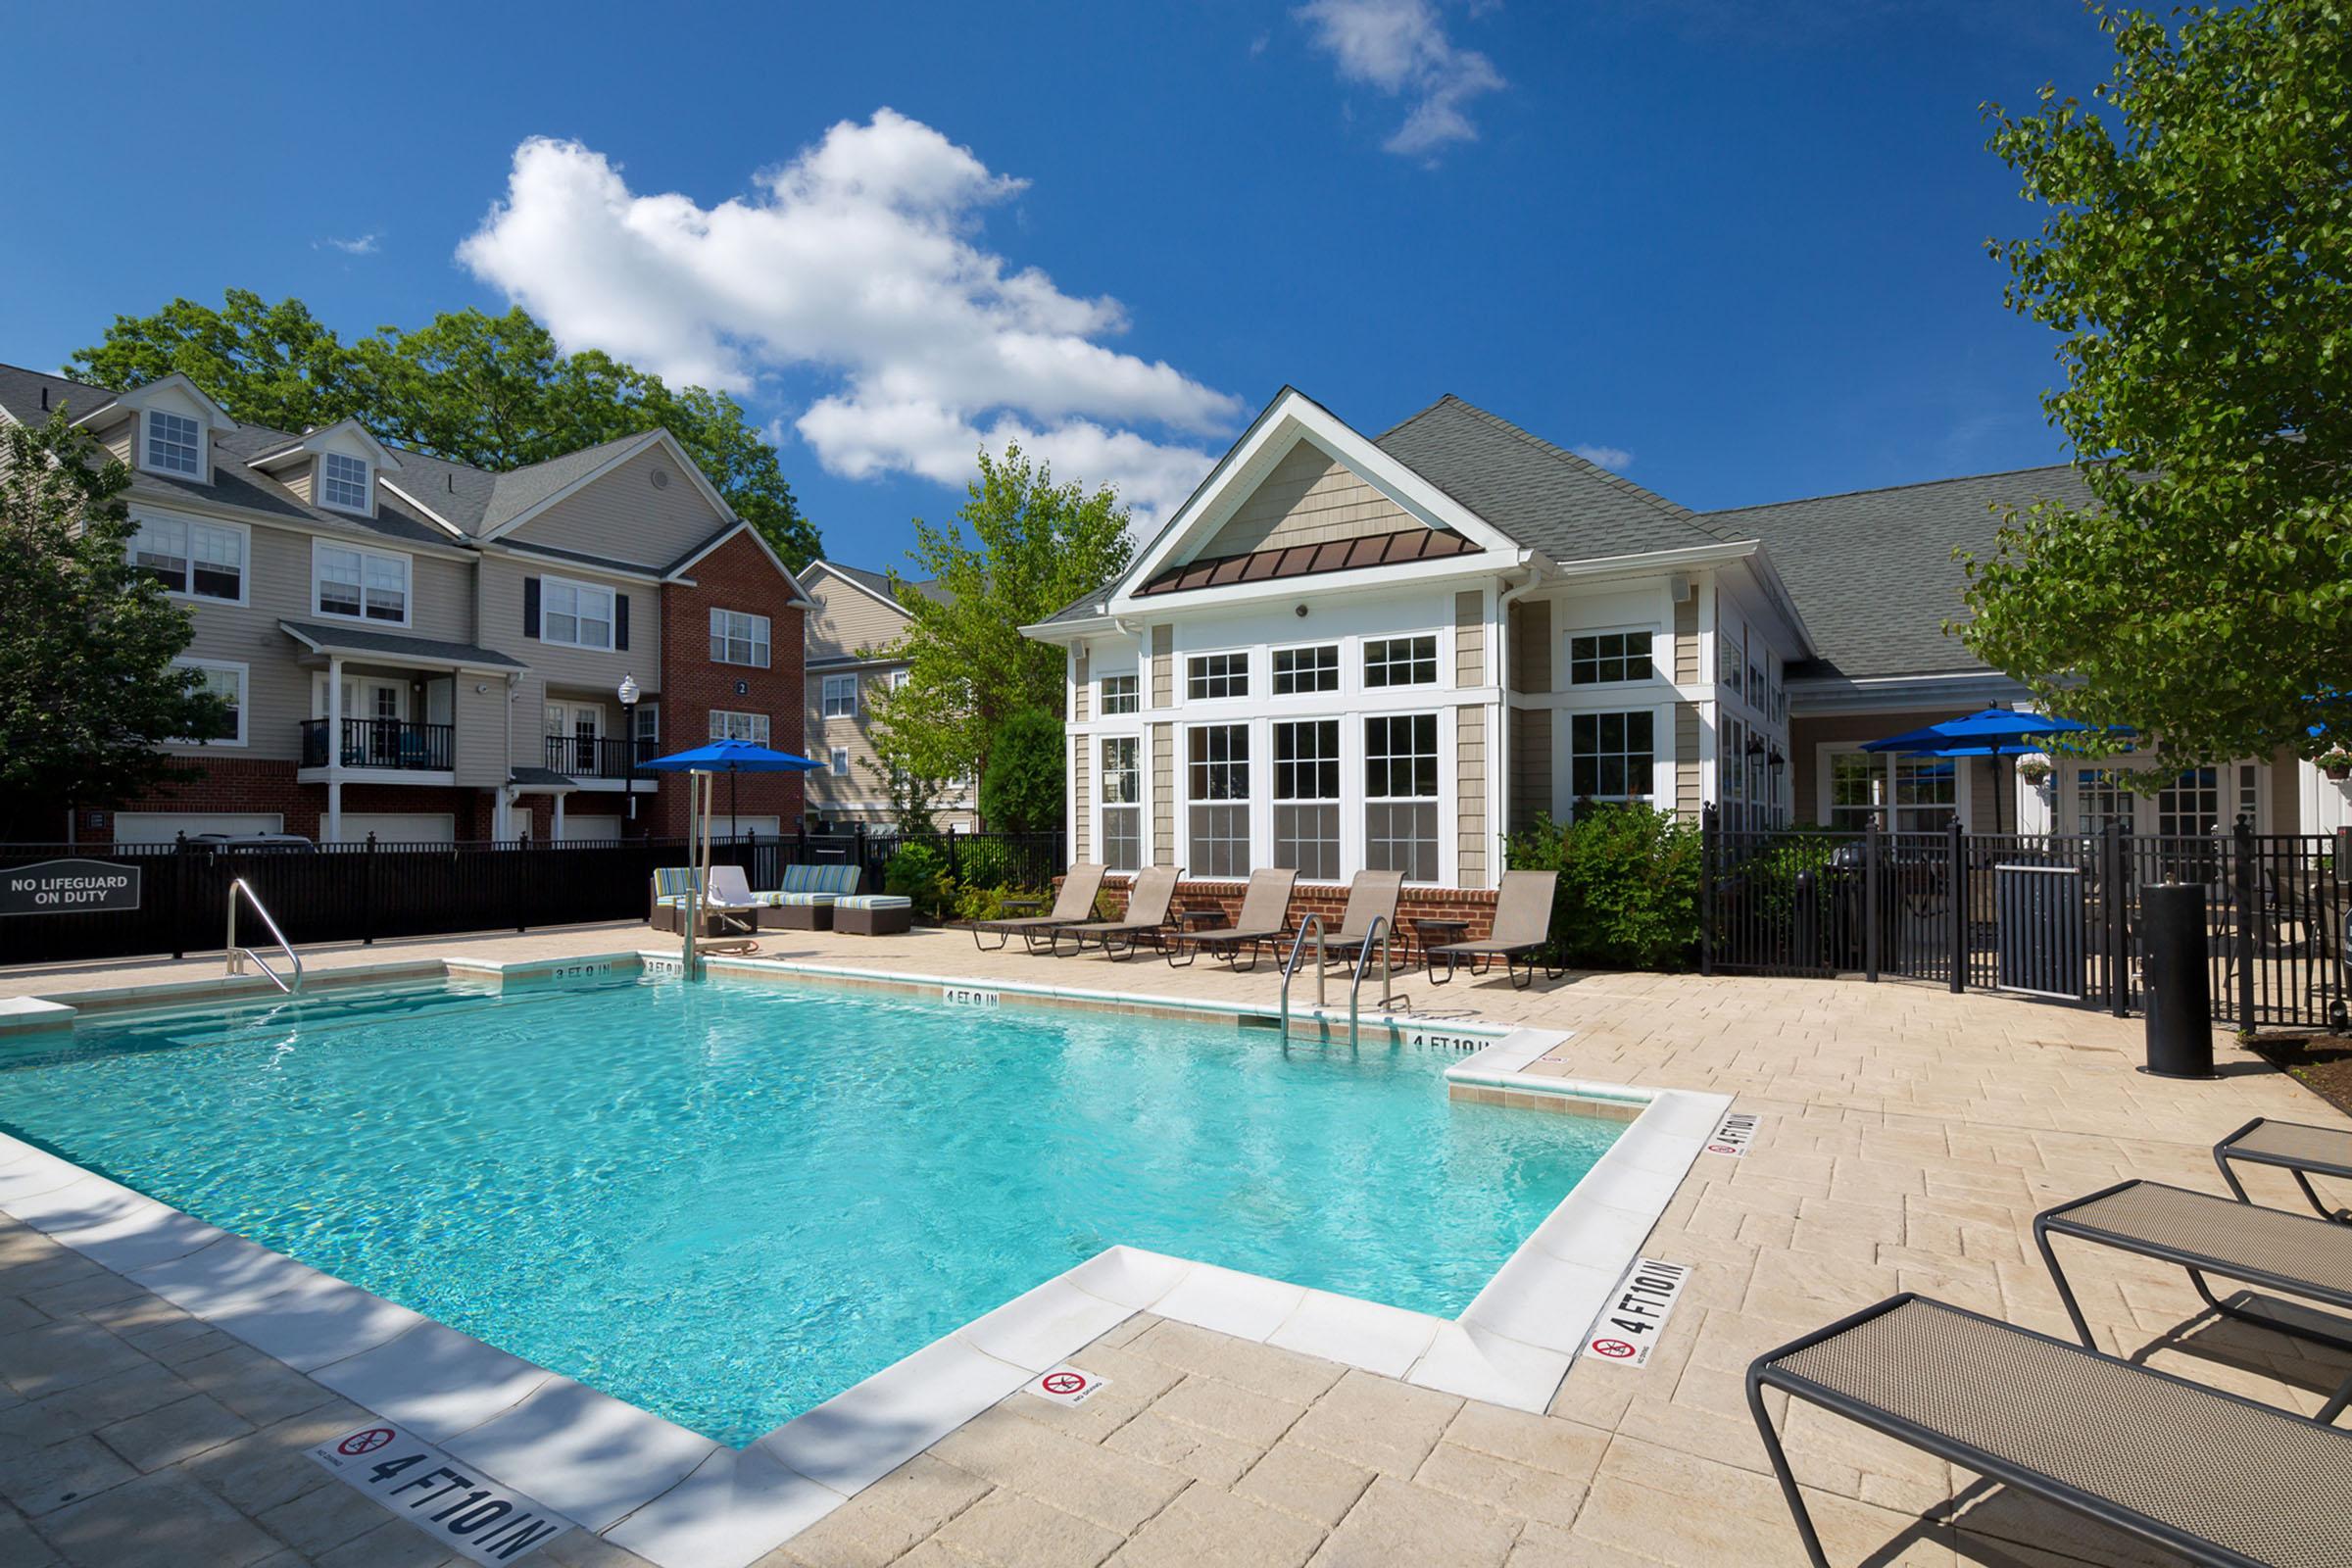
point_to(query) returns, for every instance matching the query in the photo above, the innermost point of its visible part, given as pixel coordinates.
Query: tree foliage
(87, 686)
(1023, 789)
(2197, 253)
(1628, 895)
(1033, 547)
(493, 391)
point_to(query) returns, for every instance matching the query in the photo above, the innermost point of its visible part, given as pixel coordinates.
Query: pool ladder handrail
(1377, 932)
(239, 955)
(1315, 923)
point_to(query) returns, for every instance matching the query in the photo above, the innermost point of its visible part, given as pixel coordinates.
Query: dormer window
(175, 443)
(343, 482)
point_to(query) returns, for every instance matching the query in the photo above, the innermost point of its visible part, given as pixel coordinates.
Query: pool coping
(685, 1501)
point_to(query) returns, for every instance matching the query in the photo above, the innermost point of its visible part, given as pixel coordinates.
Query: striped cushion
(670, 900)
(820, 878)
(791, 901)
(874, 901)
(671, 882)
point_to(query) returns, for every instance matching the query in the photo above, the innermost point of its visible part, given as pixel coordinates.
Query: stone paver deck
(1908, 1136)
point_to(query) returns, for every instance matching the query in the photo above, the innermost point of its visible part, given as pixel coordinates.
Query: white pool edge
(684, 1500)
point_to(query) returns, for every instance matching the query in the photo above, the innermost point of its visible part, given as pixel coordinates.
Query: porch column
(556, 833)
(502, 802)
(334, 749)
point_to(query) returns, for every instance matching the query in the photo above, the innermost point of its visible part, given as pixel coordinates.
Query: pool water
(727, 1203)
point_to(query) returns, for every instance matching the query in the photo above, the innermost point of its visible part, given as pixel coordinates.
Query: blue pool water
(727, 1203)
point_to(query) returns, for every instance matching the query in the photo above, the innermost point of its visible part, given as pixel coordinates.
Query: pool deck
(1906, 1139)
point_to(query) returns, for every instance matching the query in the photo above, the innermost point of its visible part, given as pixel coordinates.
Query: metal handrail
(1388, 973)
(239, 955)
(1315, 923)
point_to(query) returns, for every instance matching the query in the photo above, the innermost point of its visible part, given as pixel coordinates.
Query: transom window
(227, 682)
(202, 560)
(343, 481)
(1604, 656)
(1611, 756)
(1306, 797)
(841, 696)
(1400, 795)
(1402, 661)
(175, 443)
(363, 584)
(1119, 695)
(737, 638)
(1122, 804)
(577, 615)
(1217, 793)
(1297, 670)
(1208, 677)
(728, 726)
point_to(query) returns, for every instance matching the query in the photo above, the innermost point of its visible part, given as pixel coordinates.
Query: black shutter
(621, 621)
(530, 607)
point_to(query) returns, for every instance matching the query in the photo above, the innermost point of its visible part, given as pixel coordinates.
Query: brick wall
(738, 575)
(1329, 900)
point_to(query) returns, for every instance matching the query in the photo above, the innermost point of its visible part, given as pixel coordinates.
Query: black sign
(69, 887)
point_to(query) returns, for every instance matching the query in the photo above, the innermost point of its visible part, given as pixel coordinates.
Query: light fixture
(628, 691)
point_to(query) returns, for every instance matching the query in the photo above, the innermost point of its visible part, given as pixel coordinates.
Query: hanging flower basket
(2034, 768)
(2337, 764)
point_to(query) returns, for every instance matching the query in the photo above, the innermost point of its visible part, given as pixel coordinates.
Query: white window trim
(366, 485)
(1338, 668)
(837, 763)
(407, 596)
(825, 692)
(611, 615)
(1351, 780)
(139, 515)
(1440, 666)
(1104, 677)
(718, 730)
(202, 473)
(1102, 805)
(1963, 792)
(1184, 675)
(244, 695)
(764, 644)
(1657, 633)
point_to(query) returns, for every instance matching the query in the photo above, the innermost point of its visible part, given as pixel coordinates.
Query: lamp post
(628, 740)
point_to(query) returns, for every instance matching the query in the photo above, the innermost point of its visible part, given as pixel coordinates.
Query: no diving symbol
(1617, 1349)
(368, 1441)
(1063, 1382)
(1066, 1384)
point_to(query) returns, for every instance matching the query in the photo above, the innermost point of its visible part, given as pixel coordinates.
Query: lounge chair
(1371, 897)
(1074, 904)
(2300, 1149)
(1147, 900)
(2216, 1478)
(2207, 1234)
(1522, 929)
(1264, 920)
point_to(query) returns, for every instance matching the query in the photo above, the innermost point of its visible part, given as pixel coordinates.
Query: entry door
(578, 725)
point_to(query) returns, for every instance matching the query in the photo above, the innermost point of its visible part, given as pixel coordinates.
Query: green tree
(1023, 789)
(493, 391)
(2197, 253)
(87, 686)
(1033, 547)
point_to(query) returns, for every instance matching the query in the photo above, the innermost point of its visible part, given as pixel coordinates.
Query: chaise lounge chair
(1073, 904)
(1264, 920)
(1371, 897)
(1522, 929)
(2219, 1478)
(1147, 900)
(2296, 1147)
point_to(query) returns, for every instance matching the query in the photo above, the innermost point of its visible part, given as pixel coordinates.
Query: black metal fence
(2049, 915)
(361, 891)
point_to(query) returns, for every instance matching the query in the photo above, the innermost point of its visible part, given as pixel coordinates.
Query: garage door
(400, 827)
(162, 827)
(590, 829)
(722, 824)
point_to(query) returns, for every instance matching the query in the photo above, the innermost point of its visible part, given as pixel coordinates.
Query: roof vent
(661, 478)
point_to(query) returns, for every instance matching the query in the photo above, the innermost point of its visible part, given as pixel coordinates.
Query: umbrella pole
(693, 883)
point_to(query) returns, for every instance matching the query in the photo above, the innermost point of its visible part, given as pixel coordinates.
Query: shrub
(1022, 790)
(982, 863)
(919, 871)
(976, 903)
(1628, 886)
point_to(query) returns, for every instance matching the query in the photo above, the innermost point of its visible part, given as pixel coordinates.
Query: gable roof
(1873, 569)
(877, 583)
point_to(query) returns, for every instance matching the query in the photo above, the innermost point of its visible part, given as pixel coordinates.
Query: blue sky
(1734, 249)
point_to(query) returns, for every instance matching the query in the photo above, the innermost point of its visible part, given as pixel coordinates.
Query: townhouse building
(424, 651)
(855, 626)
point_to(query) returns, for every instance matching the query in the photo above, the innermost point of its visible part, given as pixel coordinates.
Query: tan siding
(1531, 765)
(1685, 642)
(1470, 638)
(2286, 799)
(1163, 666)
(1308, 499)
(622, 516)
(297, 479)
(1689, 773)
(1531, 650)
(580, 669)
(847, 621)
(1470, 793)
(481, 740)
(1082, 697)
(865, 787)
(1163, 794)
(1082, 797)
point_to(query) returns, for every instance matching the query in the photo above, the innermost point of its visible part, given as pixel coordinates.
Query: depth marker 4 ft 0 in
(449, 1500)
(1630, 1325)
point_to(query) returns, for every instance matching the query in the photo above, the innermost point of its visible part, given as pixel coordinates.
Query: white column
(557, 832)
(334, 749)
(500, 808)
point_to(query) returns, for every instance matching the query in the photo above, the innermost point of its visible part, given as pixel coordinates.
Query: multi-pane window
(175, 443)
(1217, 793)
(577, 614)
(2101, 800)
(1854, 780)
(360, 583)
(1122, 804)
(841, 696)
(1611, 756)
(1306, 797)
(227, 682)
(1119, 695)
(1400, 662)
(737, 638)
(1608, 656)
(839, 764)
(1400, 795)
(1927, 793)
(343, 481)
(726, 726)
(200, 559)
(2190, 805)
(1298, 671)
(1731, 661)
(1213, 675)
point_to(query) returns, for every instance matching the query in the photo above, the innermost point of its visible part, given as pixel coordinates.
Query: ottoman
(873, 914)
(799, 912)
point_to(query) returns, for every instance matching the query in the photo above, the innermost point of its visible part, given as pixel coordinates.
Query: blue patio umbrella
(1988, 732)
(730, 757)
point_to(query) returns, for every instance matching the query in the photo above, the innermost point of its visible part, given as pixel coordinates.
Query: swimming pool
(727, 1203)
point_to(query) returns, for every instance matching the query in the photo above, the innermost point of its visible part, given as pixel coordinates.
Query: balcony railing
(393, 743)
(589, 756)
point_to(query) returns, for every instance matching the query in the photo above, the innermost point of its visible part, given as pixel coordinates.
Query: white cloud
(1614, 459)
(860, 256)
(364, 245)
(1400, 48)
